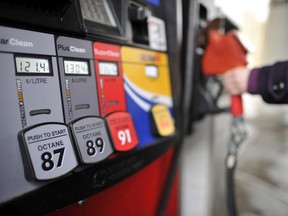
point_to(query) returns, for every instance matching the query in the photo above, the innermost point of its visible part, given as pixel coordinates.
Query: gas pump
(71, 128)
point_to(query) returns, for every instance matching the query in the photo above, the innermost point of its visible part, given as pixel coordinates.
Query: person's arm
(271, 82)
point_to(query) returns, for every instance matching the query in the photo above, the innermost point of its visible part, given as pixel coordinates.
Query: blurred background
(261, 176)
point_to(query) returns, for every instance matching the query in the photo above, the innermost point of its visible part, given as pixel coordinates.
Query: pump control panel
(85, 101)
(147, 88)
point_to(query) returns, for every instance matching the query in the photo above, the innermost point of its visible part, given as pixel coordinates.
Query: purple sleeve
(253, 81)
(271, 82)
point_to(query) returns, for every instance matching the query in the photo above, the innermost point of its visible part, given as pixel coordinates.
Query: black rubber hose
(230, 190)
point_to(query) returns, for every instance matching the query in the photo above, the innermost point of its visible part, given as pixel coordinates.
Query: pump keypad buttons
(122, 131)
(47, 151)
(162, 122)
(92, 140)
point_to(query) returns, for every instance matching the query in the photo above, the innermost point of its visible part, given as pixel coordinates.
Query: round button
(278, 87)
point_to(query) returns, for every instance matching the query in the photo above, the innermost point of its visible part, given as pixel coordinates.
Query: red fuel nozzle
(236, 105)
(224, 52)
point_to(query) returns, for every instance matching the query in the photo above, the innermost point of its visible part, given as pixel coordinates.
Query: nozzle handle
(236, 105)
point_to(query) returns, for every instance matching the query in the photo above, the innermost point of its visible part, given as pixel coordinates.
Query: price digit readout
(108, 69)
(76, 67)
(32, 65)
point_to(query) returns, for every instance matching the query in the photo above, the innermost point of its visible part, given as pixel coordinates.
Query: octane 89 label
(122, 131)
(92, 139)
(50, 151)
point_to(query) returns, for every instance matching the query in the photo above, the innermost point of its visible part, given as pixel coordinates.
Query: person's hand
(235, 81)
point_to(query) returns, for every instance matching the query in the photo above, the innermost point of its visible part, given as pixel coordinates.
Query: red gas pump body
(109, 78)
(137, 195)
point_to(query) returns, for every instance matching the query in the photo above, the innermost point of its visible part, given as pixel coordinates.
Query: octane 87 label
(50, 151)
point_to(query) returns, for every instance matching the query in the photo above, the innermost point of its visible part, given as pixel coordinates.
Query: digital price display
(32, 65)
(76, 67)
(151, 71)
(97, 11)
(108, 69)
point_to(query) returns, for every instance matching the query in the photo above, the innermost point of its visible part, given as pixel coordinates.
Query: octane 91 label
(122, 131)
(92, 141)
(50, 151)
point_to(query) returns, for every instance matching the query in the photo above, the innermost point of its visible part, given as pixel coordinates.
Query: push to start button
(47, 151)
(122, 131)
(162, 122)
(91, 138)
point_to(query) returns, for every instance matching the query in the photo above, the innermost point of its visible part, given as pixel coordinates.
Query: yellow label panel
(157, 85)
(136, 55)
(163, 120)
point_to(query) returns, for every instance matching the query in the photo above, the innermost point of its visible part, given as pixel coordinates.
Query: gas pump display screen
(32, 65)
(151, 71)
(97, 11)
(76, 67)
(108, 69)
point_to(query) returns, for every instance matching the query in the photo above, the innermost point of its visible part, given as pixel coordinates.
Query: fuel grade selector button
(91, 138)
(122, 131)
(162, 122)
(47, 151)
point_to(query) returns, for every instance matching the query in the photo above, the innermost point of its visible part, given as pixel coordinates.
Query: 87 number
(47, 159)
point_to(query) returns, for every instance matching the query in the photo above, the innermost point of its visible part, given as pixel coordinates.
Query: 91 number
(91, 149)
(124, 136)
(47, 159)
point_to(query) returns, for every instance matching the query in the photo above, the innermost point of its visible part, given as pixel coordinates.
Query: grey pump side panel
(83, 90)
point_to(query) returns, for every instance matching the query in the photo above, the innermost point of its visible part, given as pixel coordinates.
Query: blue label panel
(155, 2)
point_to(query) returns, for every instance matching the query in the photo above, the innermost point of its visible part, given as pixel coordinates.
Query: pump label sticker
(122, 131)
(68, 98)
(50, 151)
(21, 103)
(92, 140)
(156, 33)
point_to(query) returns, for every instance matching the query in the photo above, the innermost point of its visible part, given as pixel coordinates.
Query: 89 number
(91, 149)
